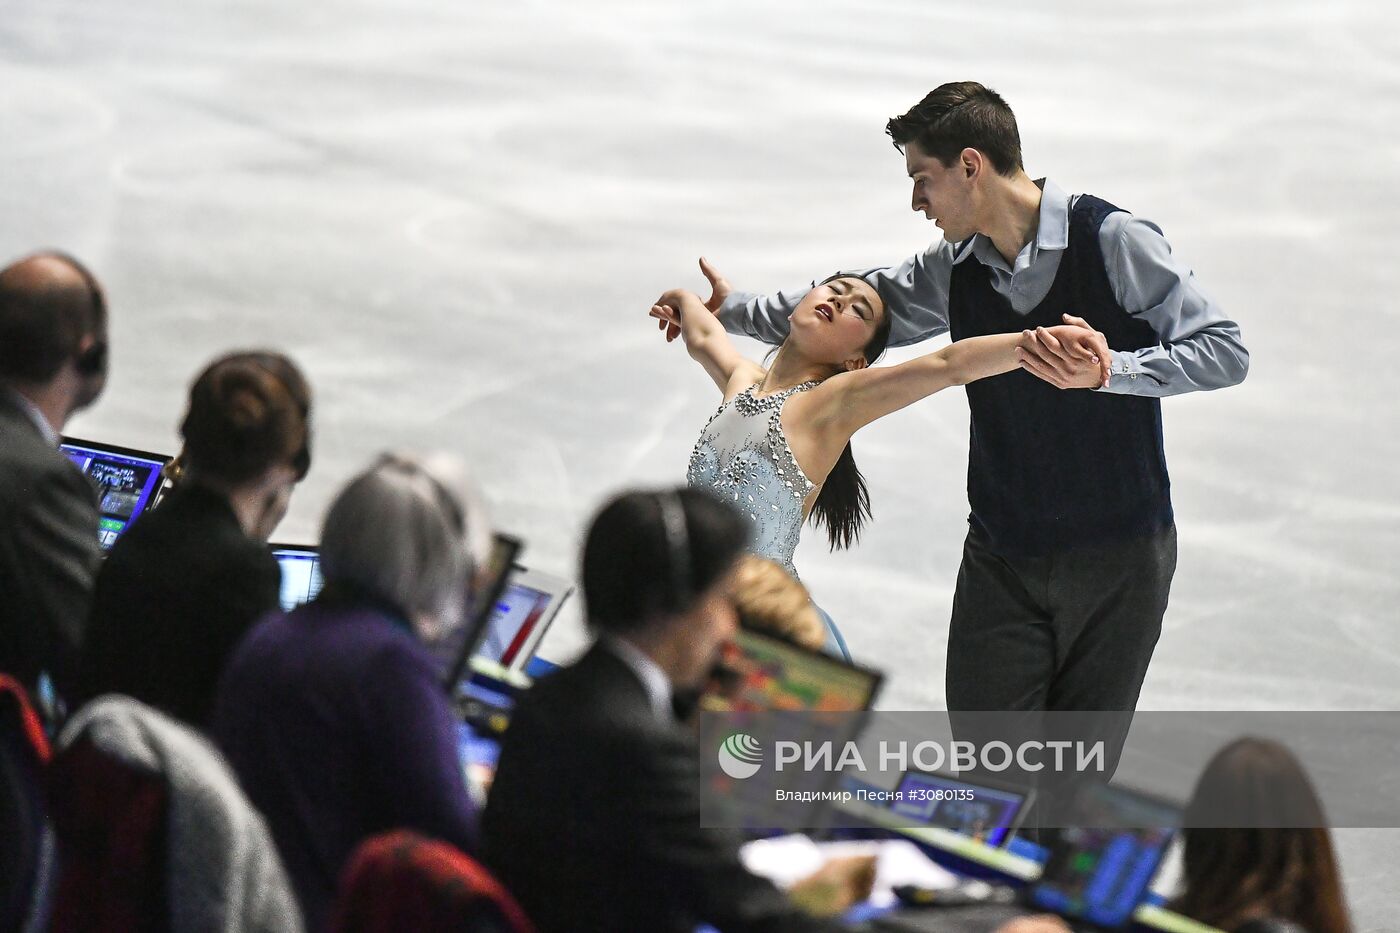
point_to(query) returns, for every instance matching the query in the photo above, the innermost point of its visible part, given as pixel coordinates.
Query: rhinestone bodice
(744, 458)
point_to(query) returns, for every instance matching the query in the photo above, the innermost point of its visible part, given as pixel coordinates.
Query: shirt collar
(1052, 231)
(654, 680)
(32, 412)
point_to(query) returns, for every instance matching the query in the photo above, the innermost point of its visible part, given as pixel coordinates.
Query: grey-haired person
(333, 715)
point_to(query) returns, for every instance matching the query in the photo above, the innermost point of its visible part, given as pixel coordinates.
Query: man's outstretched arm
(915, 292)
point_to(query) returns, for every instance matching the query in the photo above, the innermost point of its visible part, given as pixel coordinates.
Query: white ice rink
(455, 215)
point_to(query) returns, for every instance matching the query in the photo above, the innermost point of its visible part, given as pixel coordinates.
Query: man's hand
(836, 887)
(1040, 923)
(719, 290)
(1068, 356)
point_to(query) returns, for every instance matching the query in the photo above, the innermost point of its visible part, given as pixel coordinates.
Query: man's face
(710, 623)
(942, 194)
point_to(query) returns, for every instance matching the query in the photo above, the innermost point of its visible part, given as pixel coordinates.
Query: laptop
(301, 573)
(989, 813)
(491, 669)
(129, 482)
(1095, 877)
(816, 697)
(763, 673)
(455, 651)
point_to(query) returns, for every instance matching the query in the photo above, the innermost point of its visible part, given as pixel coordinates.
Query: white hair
(410, 531)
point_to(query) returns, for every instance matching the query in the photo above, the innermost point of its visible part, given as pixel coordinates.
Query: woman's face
(275, 489)
(836, 320)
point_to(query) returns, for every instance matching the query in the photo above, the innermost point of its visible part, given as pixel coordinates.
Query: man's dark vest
(1050, 469)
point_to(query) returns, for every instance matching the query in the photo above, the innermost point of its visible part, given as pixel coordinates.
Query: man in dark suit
(53, 362)
(593, 822)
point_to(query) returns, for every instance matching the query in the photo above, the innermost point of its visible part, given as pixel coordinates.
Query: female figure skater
(779, 447)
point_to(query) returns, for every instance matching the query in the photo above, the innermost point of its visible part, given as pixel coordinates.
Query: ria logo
(740, 756)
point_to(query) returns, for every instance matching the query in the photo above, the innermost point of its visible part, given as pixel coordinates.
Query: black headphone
(677, 546)
(93, 360)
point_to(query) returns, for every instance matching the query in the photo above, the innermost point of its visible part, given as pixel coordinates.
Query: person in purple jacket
(334, 716)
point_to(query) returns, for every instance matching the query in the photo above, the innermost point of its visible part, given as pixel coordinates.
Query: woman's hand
(667, 315)
(680, 298)
(719, 290)
(705, 339)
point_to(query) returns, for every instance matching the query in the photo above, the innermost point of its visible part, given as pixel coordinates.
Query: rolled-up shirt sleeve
(1198, 346)
(915, 293)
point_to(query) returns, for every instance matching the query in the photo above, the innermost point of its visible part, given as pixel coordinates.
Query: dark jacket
(48, 552)
(178, 591)
(336, 722)
(593, 821)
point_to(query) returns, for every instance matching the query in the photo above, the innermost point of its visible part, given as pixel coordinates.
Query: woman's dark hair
(843, 505)
(1279, 863)
(248, 412)
(650, 554)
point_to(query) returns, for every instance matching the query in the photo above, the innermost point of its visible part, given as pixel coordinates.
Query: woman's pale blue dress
(744, 458)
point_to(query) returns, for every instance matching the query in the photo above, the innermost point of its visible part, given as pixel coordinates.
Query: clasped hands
(1069, 356)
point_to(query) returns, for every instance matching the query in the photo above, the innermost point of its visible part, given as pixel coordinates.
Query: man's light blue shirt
(1198, 346)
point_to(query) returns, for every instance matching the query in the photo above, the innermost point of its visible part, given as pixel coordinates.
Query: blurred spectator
(154, 832)
(772, 601)
(53, 362)
(186, 582)
(26, 857)
(403, 881)
(1256, 878)
(334, 716)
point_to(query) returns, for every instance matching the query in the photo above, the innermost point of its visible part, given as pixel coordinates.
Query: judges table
(1016, 865)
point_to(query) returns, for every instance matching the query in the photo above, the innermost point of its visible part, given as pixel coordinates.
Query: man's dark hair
(957, 116)
(44, 317)
(636, 568)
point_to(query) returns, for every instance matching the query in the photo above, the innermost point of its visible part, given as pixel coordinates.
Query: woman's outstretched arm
(854, 399)
(705, 338)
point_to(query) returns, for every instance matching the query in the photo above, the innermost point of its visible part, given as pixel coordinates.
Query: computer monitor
(1101, 875)
(763, 673)
(988, 813)
(128, 482)
(301, 573)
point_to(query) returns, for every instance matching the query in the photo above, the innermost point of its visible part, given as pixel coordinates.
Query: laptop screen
(127, 482)
(987, 814)
(517, 624)
(301, 574)
(1101, 874)
(514, 621)
(766, 673)
(766, 683)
